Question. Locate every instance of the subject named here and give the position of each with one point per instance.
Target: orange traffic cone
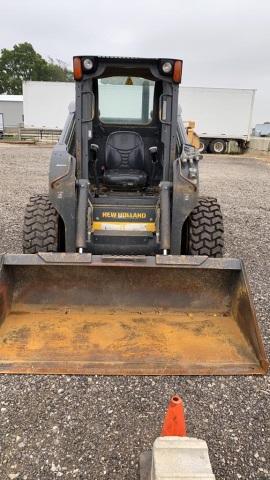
(174, 422)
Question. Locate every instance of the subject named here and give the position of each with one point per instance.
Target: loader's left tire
(204, 229)
(42, 226)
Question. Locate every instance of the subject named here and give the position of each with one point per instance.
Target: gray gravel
(95, 427)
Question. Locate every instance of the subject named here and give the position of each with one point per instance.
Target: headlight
(88, 64)
(167, 67)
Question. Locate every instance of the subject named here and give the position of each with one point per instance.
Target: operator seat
(124, 161)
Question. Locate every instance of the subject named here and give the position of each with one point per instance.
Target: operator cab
(125, 142)
(126, 153)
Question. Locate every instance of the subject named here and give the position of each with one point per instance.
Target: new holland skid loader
(122, 271)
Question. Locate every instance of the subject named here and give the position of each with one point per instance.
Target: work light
(88, 64)
(167, 67)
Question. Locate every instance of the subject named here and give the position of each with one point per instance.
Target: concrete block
(233, 147)
(180, 458)
(259, 143)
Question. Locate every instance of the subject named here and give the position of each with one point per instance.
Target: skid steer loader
(122, 271)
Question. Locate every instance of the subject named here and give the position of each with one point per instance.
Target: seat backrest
(124, 150)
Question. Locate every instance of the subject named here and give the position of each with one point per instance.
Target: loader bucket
(83, 314)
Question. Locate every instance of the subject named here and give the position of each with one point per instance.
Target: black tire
(217, 146)
(41, 226)
(203, 146)
(205, 229)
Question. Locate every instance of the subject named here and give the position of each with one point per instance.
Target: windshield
(125, 100)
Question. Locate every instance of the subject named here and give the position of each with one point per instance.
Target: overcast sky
(224, 43)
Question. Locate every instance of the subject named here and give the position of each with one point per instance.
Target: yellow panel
(125, 226)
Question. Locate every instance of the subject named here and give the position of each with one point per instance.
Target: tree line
(22, 63)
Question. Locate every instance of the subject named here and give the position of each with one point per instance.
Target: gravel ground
(95, 427)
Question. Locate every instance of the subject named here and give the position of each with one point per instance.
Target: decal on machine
(127, 218)
(124, 215)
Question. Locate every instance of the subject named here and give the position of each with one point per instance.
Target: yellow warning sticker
(125, 226)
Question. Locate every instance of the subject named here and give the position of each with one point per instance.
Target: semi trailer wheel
(42, 229)
(217, 146)
(205, 232)
(203, 146)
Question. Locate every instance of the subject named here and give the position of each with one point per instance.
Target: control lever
(95, 148)
(153, 153)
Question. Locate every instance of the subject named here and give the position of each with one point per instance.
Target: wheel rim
(201, 147)
(218, 147)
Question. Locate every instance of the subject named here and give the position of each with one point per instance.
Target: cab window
(125, 100)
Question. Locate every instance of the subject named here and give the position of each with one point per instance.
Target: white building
(11, 110)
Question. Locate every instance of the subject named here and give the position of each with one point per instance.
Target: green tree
(24, 63)
(57, 71)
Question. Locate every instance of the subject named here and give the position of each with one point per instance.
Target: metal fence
(32, 135)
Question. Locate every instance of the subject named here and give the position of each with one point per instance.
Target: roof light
(177, 71)
(77, 68)
(167, 67)
(88, 64)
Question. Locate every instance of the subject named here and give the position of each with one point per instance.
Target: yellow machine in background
(193, 138)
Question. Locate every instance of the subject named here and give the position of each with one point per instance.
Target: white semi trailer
(220, 115)
(45, 104)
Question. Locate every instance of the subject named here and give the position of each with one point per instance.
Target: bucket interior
(126, 320)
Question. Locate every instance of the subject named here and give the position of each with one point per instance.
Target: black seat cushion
(124, 160)
(125, 178)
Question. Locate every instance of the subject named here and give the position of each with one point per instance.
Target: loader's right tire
(205, 231)
(42, 228)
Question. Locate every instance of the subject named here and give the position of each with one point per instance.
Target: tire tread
(40, 231)
(206, 231)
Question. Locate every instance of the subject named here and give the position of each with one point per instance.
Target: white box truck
(45, 104)
(221, 115)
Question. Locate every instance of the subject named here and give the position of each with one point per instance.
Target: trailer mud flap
(83, 314)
